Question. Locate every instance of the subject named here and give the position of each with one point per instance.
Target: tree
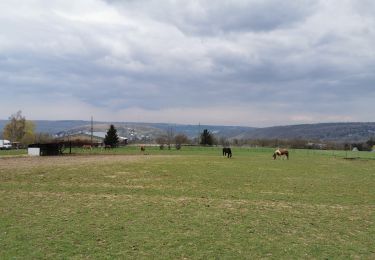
(19, 129)
(224, 141)
(371, 142)
(161, 140)
(206, 138)
(43, 138)
(29, 136)
(181, 139)
(111, 138)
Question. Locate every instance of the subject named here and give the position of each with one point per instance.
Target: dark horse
(281, 152)
(227, 152)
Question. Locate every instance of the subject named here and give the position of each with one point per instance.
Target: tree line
(22, 131)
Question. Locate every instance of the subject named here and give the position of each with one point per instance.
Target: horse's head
(274, 156)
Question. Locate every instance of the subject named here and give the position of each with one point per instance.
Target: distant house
(123, 140)
(100, 135)
(319, 146)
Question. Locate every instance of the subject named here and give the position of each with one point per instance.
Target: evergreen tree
(206, 138)
(111, 138)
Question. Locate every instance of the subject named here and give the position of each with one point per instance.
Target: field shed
(45, 149)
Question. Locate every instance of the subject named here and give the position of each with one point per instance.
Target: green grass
(192, 204)
(13, 152)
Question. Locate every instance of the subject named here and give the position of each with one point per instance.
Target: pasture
(187, 204)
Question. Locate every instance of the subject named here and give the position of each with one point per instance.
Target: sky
(250, 63)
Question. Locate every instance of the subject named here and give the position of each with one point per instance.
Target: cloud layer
(255, 62)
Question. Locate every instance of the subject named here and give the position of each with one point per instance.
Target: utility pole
(170, 135)
(92, 130)
(199, 133)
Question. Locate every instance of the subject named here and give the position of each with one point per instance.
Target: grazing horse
(281, 152)
(107, 146)
(86, 147)
(143, 148)
(227, 152)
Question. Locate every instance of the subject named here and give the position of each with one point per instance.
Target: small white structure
(33, 151)
(355, 149)
(5, 144)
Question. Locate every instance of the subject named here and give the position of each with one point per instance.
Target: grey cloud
(259, 54)
(365, 8)
(206, 18)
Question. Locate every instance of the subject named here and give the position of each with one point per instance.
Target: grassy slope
(192, 204)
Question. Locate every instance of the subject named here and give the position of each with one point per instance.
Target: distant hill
(337, 132)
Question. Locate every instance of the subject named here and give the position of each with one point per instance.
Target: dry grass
(181, 206)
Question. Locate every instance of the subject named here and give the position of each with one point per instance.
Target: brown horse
(143, 148)
(281, 152)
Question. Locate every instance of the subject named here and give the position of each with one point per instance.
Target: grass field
(187, 204)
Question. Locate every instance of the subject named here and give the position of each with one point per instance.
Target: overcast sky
(239, 62)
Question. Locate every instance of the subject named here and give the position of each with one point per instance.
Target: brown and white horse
(86, 147)
(281, 152)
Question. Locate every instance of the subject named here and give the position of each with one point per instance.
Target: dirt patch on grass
(31, 162)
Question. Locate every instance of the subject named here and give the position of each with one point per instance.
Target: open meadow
(187, 204)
